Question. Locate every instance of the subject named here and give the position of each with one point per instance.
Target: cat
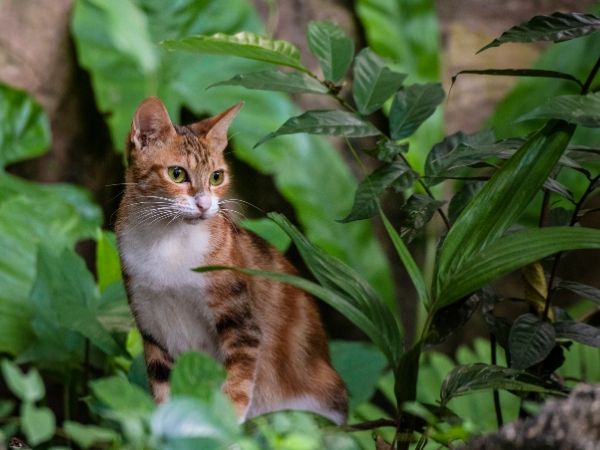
(171, 219)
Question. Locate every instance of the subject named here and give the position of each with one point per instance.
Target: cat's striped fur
(267, 334)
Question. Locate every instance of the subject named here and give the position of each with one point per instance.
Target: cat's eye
(177, 174)
(217, 177)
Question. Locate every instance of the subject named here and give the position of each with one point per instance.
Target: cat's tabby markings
(172, 219)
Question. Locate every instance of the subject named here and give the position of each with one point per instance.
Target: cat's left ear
(215, 128)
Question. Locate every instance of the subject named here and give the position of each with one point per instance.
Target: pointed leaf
(462, 198)
(579, 332)
(38, 424)
(583, 290)
(530, 340)
(581, 110)
(535, 73)
(373, 82)
(327, 122)
(244, 44)
(557, 27)
(412, 106)
(332, 47)
(272, 80)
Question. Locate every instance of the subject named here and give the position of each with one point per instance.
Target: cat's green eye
(177, 174)
(217, 177)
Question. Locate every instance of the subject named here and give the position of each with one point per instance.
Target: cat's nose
(203, 201)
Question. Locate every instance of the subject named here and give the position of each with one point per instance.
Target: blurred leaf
(557, 27)
(270, 232)
(87, 436)
(38, 423)
(327, 122)
(451, 318)
(6, 407)
(462, 198)
(581, 110)
(196, 375)
(332, 47)
(366, 198)
(387, 151)
(474, 377)
(122, 398)
(373, 82)
(29, 388)
(113, 310)
(108, 265)
(406, 375)
(272, 80)
(531, 339)
(25, 131)
(416, 212)
(536, 288)
(412, 106)
(558, 188)
(559, 217)
(244, 44)
(360, 365)
(583, 290)
(578, 331)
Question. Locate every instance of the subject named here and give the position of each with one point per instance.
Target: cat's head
(177, 172)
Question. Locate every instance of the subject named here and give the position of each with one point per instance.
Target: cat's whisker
(228, 219)
(242, 215)
(240, 201)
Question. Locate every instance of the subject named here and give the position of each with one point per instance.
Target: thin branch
(497, 407)
(370, 425)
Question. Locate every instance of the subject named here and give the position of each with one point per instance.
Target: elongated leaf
(196, 375)
(530, 340)
(462, 198)
(476, 377)
(558, 188)
(535, 73)
(38, 423)
(332, 47)
(327, 122)
(510, 253)
(502, 199)
(557, 27)
(244, 44)
(583, 290)
(373, 82)
(272, 80)
(579, 332)
(412, 106)
(406, 375)
(581, 110)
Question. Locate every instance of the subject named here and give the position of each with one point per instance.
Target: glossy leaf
(87, 436)
(534, 73)
(476, 377)
(27, 387)
(412, 106)
(373, 82)
(578, 331)
(416, 212)
(557, 27)
(326, 122)
(38, 423)
(530, 340)
(196, 375)
(272, 80)
(581, 110)
(583, 290)
(332, 47)
(244, 44)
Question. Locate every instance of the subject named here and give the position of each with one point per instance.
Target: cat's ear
(151, 124)
(215, 128)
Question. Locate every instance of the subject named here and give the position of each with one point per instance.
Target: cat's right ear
(151, 125)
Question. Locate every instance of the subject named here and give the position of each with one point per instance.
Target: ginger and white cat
(267, 334)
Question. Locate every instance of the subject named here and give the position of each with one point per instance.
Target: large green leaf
(196, 375)
(29, 388)
(412, 106)
(327, 122)
(87, 436)
(557, 27)
(122, 397)
(38, 423)
(273, 80)
(24, 131)
(108, 265)
(530, 340)
(581, 110)
(332, 47)
(244, 44)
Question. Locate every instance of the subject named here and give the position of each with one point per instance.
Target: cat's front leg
(158, 367)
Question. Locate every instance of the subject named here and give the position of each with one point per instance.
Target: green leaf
(509, 253)
(244, 44)
(373, 82)
(416, 212)
(412, 105)
(476, 377)
(332, 47)
(387, 151)
(530, 340)
(462, 198)
(557, 27)
(366, 198)
(270, 232)
(122, 397)
(535, 73)
(578, 331)
(581, 110)
(451, 318)
(108, 265)
(272, 80)
(196, 375)
(87, 436)
(29, 388)
(25, 131)
(327, 122)
(37, 423)
(582, 290)
(406, 375)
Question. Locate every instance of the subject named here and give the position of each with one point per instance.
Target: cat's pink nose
(203, 201)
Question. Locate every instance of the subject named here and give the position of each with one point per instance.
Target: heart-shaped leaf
(412, 105)
(530, 340)
(332, 47)
(38, 424)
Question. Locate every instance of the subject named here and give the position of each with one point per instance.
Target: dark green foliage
(531, 339)
(332, 47)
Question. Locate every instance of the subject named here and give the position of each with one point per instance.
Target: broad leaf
(272, 80)
(327, 122)
(583, 290)
(87, 436)
(530, 340)
(332, 47)
(24, 131)
(476, 377)
(29, 388)
(373, 82)
(412, 106)
(38, 423)
(579, 332)
(196, 375)
(122, 398)
(581, 110)
(557, 27)
(244, 44)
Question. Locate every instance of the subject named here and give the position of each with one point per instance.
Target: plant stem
(497, 407)
(589, 80)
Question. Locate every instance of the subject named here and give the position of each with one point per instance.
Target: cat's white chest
(168, 297)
